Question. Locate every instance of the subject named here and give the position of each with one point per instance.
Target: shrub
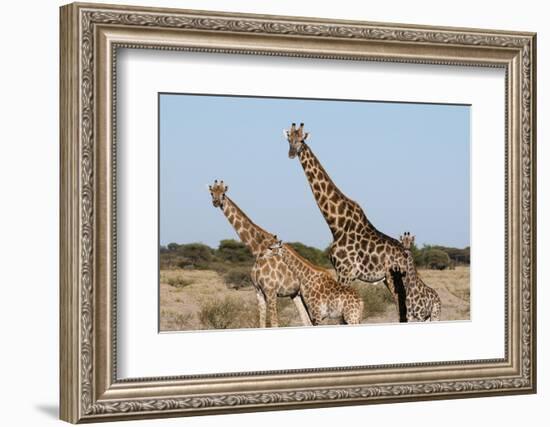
(237, 278)
(172, 247)
(233, 251)
(168, 260)
(418, 255)
(196, 253)
(220, 267)
(178, 282)
(174, 255)
(458, 256)
(227, 313)
(172, 321)
(375, 297)
(436, 259)
(314, 255)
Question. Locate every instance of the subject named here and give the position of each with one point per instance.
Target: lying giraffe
(271, 276)
(423, 302)
(359, 250)
(323, 296)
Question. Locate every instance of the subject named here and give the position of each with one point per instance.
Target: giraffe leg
(413, 312)
(436, 310)
(315, 316)
(352, 316)
(394, 283)
(261, 307)
(271, 300)
(415, 298)
(304, 316)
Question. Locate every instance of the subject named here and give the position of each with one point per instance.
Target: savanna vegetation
(211, 288)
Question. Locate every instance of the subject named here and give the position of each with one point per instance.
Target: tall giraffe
(271, 276)
(423, 302)
(323, 296)
(359, 250)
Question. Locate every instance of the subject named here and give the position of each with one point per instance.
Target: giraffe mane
(304, 260)
(267, 235)
(322, 168)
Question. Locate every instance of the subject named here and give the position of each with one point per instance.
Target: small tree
(458, 256)
(238, 277)
(172, 247)
(196, 254)
(418, 255)
(436, 259)
(233, 251)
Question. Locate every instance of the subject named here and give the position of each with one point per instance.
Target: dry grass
(227, 313)
(200, 299)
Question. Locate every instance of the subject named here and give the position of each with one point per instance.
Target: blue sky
(407, 165)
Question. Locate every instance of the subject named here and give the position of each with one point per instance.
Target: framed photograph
(267, 212)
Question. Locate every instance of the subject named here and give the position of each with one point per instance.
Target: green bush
(238, 277)
(436, 259)
(314, 255)
(456, 256)
(194, 254)
(172, 247)
(168, 260)
(233, 251)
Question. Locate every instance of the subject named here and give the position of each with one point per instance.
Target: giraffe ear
(209, 188)
(226, 187)
(286, 133)
(305, 136)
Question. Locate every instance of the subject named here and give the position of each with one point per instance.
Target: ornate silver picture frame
(91, 36)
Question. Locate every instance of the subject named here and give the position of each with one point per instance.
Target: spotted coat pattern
(359, 250)
(271, 277)
(423, 303)
(323, 296)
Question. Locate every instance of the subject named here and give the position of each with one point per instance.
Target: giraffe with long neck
(323, 296)
(423, 303)
(359, 250)
(271, 276)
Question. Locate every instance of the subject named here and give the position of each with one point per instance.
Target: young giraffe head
(295, 137)
(217, 191)
(407, 240)
(274, 249)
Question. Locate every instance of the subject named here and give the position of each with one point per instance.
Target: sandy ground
(199, 299)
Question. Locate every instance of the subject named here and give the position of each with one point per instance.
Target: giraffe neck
(299, 267)
(253, 236)
(414, 283)
(334, 205)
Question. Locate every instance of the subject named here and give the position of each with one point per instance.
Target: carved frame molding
(90, 36)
